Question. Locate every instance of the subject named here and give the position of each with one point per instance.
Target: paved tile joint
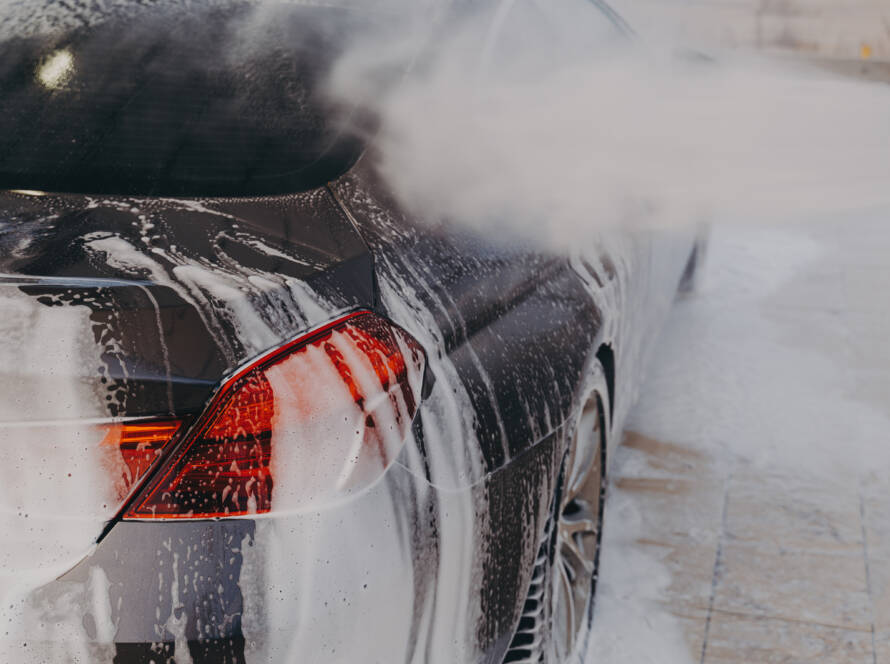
(772, 574)
(772, 514)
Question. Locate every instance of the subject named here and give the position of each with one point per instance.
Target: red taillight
(324, 415)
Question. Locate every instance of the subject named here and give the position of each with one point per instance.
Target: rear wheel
(578, 535)
(555, 622)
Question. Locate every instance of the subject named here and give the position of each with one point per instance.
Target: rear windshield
(185, 102)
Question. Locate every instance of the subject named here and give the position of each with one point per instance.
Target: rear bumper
(404, 572)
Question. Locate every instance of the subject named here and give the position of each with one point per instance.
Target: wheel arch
(606, 356)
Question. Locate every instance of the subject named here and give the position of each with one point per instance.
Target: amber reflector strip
(132, 448)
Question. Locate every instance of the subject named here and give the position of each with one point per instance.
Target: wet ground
(748, 517)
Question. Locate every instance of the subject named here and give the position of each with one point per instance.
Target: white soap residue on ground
(735, 380)
(754, 368)
(629, 624)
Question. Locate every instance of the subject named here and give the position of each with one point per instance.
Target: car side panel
(513, 331)
(432, 563)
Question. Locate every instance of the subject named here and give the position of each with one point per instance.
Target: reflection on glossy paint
(56, 70)
(28, 192)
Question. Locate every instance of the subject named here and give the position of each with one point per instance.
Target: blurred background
(835, 30)
(748, 519)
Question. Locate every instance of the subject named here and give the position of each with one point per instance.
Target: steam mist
(549, 121)
(544, 120)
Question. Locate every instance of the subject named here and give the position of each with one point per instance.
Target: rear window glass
(216, 101)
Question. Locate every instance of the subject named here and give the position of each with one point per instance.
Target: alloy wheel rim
(578, 533)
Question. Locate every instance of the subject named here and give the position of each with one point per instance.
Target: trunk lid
(118, 308)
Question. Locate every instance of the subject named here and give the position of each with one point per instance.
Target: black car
(253, 410)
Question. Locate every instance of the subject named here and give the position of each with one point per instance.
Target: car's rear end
(154, 388)
(207, 452)
(231, 430)
(199, 396)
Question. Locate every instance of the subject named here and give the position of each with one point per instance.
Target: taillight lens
(309, 423)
